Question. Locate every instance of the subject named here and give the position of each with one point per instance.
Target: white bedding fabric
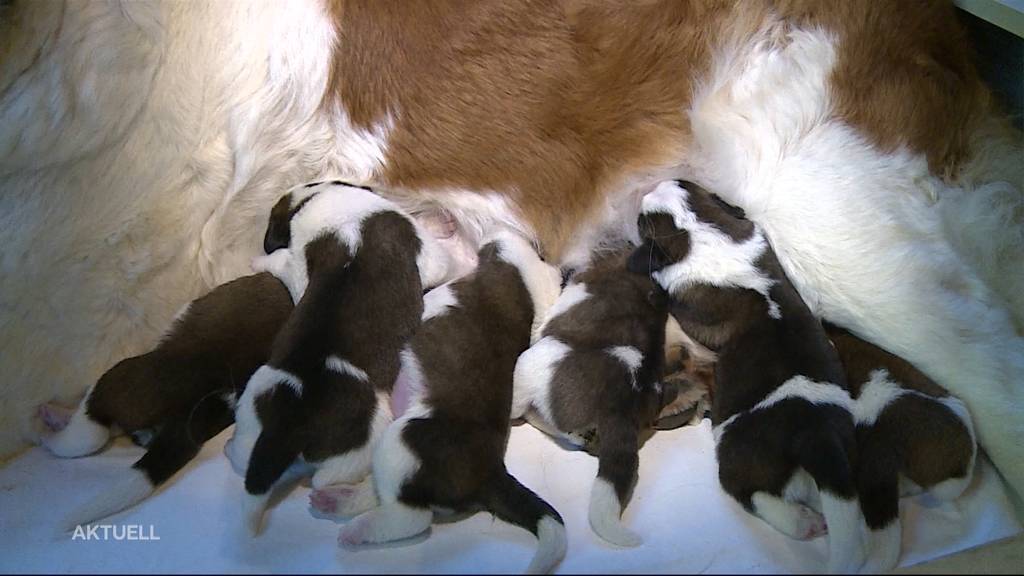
(688, 523)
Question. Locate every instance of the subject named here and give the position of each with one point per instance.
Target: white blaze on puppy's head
(310, 211)
(713, 257)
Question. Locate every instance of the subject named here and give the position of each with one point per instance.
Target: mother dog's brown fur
(548, 101)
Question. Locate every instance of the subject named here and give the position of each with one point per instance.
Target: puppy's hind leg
(344, 500)
(81, 436)
(342, 485)
(791, 518)
(390, 522)
(393, 464)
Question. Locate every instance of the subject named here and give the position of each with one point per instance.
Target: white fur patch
(542, 280)
(884, 548)
(790, 517)
(551, 546)
(394, 463)
(342, 366)
(254, 508)
(846, 533)
(795, 387)
(874, 396)
(807, 389)
(531, 379)
(714, 258)
(389, 522)
(605, 510)
(438, 301)
(572, 295)
(82, 435)
(630, 357)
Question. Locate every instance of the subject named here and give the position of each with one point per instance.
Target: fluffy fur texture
(145, 141)
(447, 450)
(780, 406)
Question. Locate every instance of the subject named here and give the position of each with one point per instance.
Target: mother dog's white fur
(144, 144)
(858, 231)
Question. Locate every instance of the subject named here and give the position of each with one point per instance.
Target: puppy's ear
(669, 393)
(648, 258)
(279, 228)
(278, 236)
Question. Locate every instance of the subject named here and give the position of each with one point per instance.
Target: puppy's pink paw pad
(55, 417)
(352, 534)
(812, 525)
(323, 501)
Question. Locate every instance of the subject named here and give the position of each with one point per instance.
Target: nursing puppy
(596, 372)
(911, 434)
(356, 268)
(183, 391)
(447, 449)
(784, 432)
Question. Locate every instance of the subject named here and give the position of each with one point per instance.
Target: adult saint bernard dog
(143, 143)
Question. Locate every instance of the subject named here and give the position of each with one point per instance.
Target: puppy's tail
(615, 475)
(824, 456)
(517, 504)
(173, 447)
(272, 455)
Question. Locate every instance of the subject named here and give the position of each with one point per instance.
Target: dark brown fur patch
(216, 345)
(178, 389)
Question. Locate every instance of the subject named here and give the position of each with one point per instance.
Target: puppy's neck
(542, 280)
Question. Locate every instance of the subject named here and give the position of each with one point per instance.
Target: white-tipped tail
(81, 437)
(884, 548)
(254, 507)
(550, 548)
(605, 511)
(128, 492)
(846, 528)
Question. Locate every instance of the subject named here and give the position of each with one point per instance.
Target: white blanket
(688, 523)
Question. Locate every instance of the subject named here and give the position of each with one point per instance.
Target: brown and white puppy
(596, 371)
(912, 435)
(447, 449)
(183, 391)
(356, 267)
(784, 430)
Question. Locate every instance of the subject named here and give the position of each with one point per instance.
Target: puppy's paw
(325, 501)
(275, 262)
(810, 525)
(355, 533)
(54, 417)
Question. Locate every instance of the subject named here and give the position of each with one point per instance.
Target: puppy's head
(664, 237)
(677, 215)
(279, 228)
